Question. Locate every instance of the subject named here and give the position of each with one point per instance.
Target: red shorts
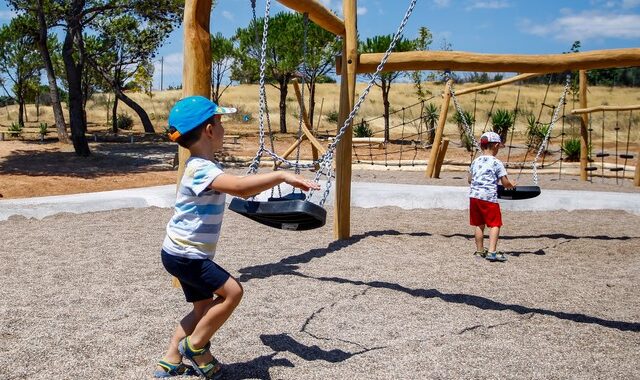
(483, 212)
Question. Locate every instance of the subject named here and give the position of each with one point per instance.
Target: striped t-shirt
(194, 229)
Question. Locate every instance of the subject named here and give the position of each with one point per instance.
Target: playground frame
(197, 77)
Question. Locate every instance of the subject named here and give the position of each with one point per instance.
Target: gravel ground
(85, 297)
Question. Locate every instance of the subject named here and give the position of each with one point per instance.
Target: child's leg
(184, 328)
(479, 237)
(214, 314)
(494, 233)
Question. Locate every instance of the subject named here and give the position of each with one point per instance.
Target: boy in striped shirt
(193, 231)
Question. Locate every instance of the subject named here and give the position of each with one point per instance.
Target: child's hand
(300, 182)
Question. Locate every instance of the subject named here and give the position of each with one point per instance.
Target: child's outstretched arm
(506, 183)
(254, 184)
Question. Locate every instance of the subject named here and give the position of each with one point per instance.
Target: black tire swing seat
(518, 192)
(291, 212)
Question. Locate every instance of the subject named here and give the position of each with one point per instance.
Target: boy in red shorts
(484, 173)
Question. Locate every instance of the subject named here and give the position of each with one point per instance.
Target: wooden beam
(306, 132)
(465, 61)
(196, 70)
(320, 15)
(578, 111)
(342, 219)
(584, 126)
(441, 153)
(497, 84)
(442, 119)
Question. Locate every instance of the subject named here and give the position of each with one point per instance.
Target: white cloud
(493, 4)
(228, 15)
(442, 3)
(627, 4)
(7, 15)
(361, 11)
(172, 64)
(587, 25)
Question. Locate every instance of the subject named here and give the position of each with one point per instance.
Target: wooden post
(441, 153)
(442, 119)
(584, 125)
(196, 70)
(342, 226)
(636, 177)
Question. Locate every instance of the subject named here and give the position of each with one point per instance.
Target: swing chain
(465, 124)
(547, 136)
(325, 161)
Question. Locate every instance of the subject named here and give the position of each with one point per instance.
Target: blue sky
(484, 26)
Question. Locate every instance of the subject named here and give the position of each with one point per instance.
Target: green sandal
(482, 253)
(173, 369)
(211, 370)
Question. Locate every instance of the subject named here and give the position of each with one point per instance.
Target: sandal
(211, 370)
(173, 369)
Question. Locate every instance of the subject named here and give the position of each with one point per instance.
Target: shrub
(466, 140)
(431, 116)
(362, 129)
(124, 122)
(571, 150)
(332, 116)
(502, 120)
(535, 132)
(43, 128)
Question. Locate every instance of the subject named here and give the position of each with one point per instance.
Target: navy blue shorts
(199, 278)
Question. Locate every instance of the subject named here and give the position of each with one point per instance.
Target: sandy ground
(85, 296)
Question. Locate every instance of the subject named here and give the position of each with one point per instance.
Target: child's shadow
(257, 368)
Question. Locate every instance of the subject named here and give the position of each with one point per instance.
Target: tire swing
(295, 211)
(518, 192)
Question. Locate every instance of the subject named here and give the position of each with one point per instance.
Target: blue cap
(188, 113)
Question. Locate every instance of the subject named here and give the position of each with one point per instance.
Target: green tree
(283, 55)
(379, 44)
(422, 43)
(78, 18)
(322, 47)
(46, 13)
(222, 56)
(20, 62)
(122, 50)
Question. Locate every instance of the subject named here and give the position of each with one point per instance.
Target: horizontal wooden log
(320, 15)
(518, 63)
(605, 108)
(497, 83)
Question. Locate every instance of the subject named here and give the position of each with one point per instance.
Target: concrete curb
(363, 194)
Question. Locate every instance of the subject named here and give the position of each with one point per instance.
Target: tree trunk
(142, 114)
(385, 102)
(58, 116)
(114, 116)
(284, 81)
(312, 102)
(74, 79)
(20, 111)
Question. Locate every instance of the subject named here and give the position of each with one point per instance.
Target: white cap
(490, 137)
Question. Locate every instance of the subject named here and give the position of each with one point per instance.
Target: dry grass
(245, 98)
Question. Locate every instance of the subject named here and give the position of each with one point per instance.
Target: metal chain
(253, 168)
(465, 124)
(328, 156)
(545, 141)
(326, 160)
(303, 69)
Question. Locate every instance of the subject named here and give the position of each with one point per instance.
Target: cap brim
(225, 110)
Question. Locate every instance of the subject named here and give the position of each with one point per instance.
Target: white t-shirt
(194, 229)
(485, 173)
